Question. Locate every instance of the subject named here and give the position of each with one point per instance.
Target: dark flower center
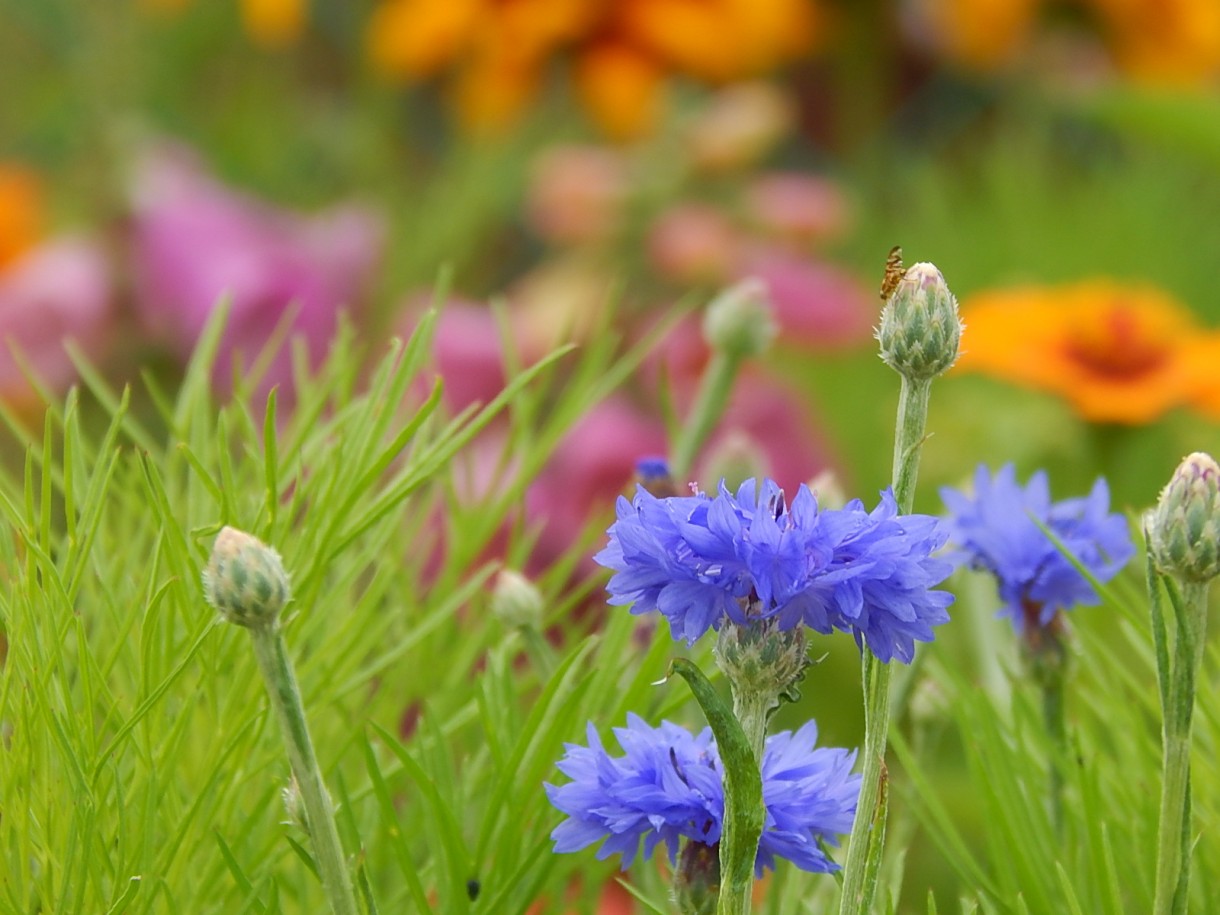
(1119, 346)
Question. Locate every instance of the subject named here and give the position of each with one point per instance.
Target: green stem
(744, 813)
(276, 667)
(868, 830)
(1056, 728)
(709, 406)
(909, 438)
(753, 709)
(867, 842)
(1173, 834)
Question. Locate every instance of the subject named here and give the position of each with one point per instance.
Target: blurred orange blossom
(1174, 42)
(21, 211)
(621, 52)
(1117, 352)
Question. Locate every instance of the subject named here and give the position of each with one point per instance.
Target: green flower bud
(516, 601)
(1184, 528)
(697, 879)
(245, 580)
(740, 322)
(762, 659)
(920, 329)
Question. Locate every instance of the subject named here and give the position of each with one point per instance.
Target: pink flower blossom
(694, 243)
(53, 292)
(594, 463)
(817, 306)
(576, 193)
(796, 207)
(195, 240)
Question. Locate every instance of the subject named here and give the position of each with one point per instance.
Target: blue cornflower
(751, 555)
(997, 529)
(668, 787)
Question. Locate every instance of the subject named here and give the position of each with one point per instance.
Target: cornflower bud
(739, 322)
(1184, 528)
(920, 329)
(761, 659)
(516, 601)
(245, 580)
(697, 879)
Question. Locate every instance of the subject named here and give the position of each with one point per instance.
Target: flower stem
(867, 840)
(1173, 834)
(276, 667)
(1056, 728)
(710, 404)
(909, 438)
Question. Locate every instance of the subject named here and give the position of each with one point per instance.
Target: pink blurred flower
(576, 193)
(592, 465)
(468, 354)
(55, 291)
(817, 305)
(194, 240)
(796, 207)
(694, 243)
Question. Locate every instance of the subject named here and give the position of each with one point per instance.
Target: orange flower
(620, 51)
(1118, 353)
(21, 208)
(980, 33)
(1166, 41)
(273, 23)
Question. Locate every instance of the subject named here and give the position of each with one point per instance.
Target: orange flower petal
(273, 23)
(416, 38)
(21, 211)
(621, 88)
(1116, 353)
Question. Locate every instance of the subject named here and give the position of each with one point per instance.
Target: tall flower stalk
(919, 336)
(1184, 549)
(1036, 549)
(737, 325)
(246, 583)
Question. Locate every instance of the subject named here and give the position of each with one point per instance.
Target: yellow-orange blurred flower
(1118, 353)
(273, 23)
(979, 33)
(21, 211)
(621, 51)
(270, 23)
(1169, 41)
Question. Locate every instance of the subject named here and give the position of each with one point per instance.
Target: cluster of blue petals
(667, 786)
(700, 561)
(1001, 528)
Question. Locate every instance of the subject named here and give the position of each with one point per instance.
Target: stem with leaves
(867, 840)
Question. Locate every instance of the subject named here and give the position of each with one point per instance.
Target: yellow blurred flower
(269, 23)
(21, 211)
(979, 33)
(1168, 41)
(273, 23)
(1118, 353)
(620, 52)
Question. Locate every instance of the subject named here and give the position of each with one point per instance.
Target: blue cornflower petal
(667, 786)
(700, 560)
(999, 529)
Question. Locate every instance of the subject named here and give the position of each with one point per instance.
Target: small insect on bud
(920, 328)
(245, 580)
(740, 321)
(1184, 528)
(516, 601)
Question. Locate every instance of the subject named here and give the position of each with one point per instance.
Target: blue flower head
(701, 560)
(668, 786)
(1001, 529)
